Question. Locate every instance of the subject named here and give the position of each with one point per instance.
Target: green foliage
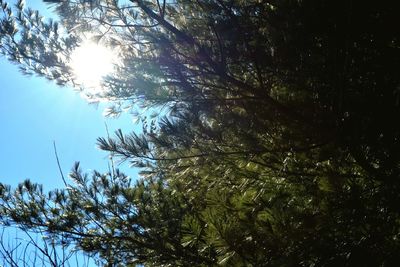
(273, 145)
(36, 46)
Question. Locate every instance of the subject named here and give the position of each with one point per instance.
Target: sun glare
(90, 62)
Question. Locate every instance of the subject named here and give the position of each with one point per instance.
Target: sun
(90, 62)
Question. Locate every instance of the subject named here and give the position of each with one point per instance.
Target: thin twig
(112, 171)
(58, 164)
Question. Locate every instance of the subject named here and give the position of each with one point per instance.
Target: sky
(34, 113)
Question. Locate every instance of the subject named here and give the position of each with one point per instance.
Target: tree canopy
(275, 141)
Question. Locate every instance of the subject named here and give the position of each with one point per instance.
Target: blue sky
(35, 112)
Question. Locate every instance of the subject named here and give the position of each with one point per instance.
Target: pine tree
(271, 147)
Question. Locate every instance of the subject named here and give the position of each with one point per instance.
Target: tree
(27, 248)
(271, 147)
